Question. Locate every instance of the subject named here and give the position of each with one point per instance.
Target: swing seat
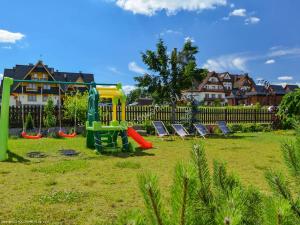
(63, 134)
(26, 136)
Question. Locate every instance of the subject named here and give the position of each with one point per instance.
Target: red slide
(138, 138)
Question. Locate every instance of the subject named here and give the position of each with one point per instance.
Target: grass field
(91, 189)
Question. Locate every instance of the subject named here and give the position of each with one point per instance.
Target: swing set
(97, 133)
(60, 133)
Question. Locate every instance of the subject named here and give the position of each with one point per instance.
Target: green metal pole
(4, 123)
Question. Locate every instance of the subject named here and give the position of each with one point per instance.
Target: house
(233, 89)
(241, 85)
(37, 94)
(209, 92)
(265, 95)
(290, 87)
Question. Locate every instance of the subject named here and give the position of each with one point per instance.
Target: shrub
(250, 127)
(289, 109)
(29, 122)
(76, 105)
(50, 118)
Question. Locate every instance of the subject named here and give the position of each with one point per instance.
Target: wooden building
(35, 93)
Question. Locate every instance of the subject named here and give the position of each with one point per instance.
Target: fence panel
(141, 114)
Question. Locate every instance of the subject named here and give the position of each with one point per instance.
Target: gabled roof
(277, 89)
(206, 80)
(20, 72)
(225, 76)
(258, 90)
(291, 87)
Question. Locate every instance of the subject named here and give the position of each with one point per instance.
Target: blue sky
(105, 37)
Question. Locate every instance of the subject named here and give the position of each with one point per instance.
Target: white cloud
(128, 88)
(113, 69)
(7, 47)
(238, 12)
(270, 61)
(150, 7)
(238, 61)
(10, 37)
(252, 20)
(227, 62)
(279, 51)
(170, 32)
(226, 18)
(1, 77)
(134, 67)
(232, 5)
(186, 39)
(285, 78)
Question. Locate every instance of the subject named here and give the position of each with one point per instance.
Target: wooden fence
(140, 114)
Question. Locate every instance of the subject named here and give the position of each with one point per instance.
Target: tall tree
(170, 72)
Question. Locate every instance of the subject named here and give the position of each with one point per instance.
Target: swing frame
(4, 116)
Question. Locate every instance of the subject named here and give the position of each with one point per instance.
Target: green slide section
(7, 82)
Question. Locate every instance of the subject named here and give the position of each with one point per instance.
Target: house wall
(18, 100)
(265, 100)
(202, 96)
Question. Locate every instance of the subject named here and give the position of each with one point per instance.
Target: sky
(106, 37)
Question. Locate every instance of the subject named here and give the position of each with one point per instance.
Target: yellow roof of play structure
(110, 92)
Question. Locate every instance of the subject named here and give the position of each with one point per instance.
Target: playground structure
(98, 134)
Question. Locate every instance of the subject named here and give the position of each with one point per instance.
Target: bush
(29, 122)
(289, 109)
(76, 105)
(250, 127)
(50, 118)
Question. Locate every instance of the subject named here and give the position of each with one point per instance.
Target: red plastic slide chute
(26, 136)
(138, 138)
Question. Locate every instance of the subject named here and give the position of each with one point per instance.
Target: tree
(49, 110)
(76, 106)
(281, 187)
(135, 94)
(289, 108)
(171, 73)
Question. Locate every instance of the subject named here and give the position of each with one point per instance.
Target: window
(45, 98)
(206, 95)
(220, 95)
(31, 98)
(46, 87)
(44, 77)
(31, 87)
(34, 77)
(213, 79)
(213, 95)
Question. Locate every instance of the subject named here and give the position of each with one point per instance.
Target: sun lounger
(180, 130)
(160, 129)
(201, 129)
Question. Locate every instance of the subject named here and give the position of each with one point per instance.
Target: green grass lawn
(91, 189)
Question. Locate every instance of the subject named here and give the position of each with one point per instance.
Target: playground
(92, 178)
(91, 189)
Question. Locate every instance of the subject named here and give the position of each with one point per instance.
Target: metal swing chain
(41, 109)
(22, 108)
(75, 112)
(59, 107)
